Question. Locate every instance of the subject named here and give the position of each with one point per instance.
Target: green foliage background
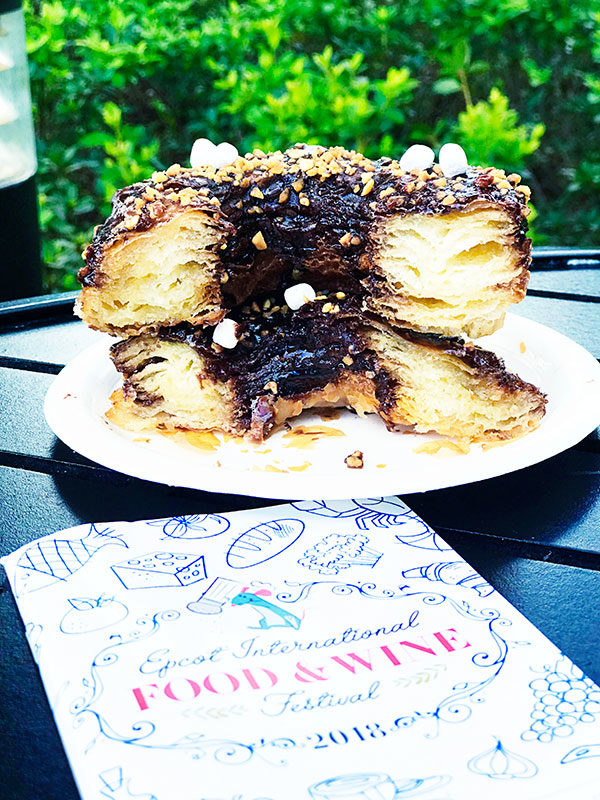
(121, 87)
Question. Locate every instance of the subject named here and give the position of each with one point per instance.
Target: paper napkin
(325, 650)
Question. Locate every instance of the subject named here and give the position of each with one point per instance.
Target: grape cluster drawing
(564, 697)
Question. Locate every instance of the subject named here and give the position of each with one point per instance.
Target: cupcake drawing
(337, 552)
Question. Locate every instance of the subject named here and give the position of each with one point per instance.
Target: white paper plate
(78, 398)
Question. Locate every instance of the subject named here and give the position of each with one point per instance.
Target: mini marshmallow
(206, 153)
(202, 151)
(453, 160)
(296, 296)
(418, 156)
(225, 153)
(225, 334)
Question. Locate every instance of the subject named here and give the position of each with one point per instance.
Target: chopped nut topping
(256, 192)
(298, 185)
(271, 386)
(340, 295)
(258, 240)
(131, 222)
(409, 187)
(284, 196)
(304, 201)
(448, 200)
(368, 187)
(386, 192)
(150, 193)
(514, 178)
(327, 307)
(355, 460)
(346, 240)
(440, 182)
(524, 190)
(348, 360)
(174, 169)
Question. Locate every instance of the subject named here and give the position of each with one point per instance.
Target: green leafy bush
(122, 87)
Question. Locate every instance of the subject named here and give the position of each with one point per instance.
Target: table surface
(532, 534)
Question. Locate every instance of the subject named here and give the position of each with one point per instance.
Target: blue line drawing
(374, 784)
(564, 697)
(88, 614)
(263, 542)
(337, 552)
(160, 570)
(271, 616)
(112, 778)
(143, 733)
(379, 512)
(53, 560)
(452, 573)
(456, 706)
(116, 788)
(34, 631)
(219, 593)
(502, 764)
(194, 526)
(581, 752)
(297, 591)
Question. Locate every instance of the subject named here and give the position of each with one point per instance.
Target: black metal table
(534, 534)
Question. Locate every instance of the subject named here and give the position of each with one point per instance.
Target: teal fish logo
(271, 616)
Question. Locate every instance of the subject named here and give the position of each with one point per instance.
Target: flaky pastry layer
(288, 362)
(416, 249)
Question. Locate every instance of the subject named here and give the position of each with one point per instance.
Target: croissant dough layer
(288, 362)
(438, 255)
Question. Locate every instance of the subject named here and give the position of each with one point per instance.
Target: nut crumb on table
(354, 460)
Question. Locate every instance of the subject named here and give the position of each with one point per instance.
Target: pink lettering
(351, 667)
(232, 686)
(195, 687)
(446, 641)
(416, 646)
(141, 699)
(390, 655)
(249, 675)
(306, 675)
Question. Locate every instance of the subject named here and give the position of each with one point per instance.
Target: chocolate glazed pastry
(327, 353)
(416, 249)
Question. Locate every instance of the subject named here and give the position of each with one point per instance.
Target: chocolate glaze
(317, 209)
(283, 354)
(287, 354)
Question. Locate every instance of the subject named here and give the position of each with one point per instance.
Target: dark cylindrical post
(20, 274)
